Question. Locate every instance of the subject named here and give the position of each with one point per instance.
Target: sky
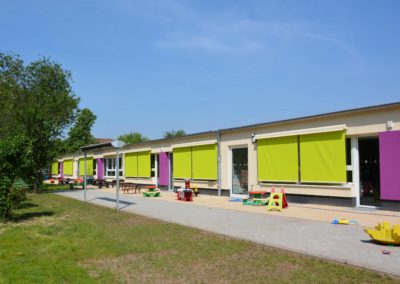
(152, 66)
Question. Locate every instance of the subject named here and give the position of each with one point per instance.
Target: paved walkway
(347, 244)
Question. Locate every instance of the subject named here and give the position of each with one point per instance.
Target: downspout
(219, 161)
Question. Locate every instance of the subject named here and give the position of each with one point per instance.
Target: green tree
(39, 104)
(133, 137)
(174, 133)
(80, 133)
(15, 156)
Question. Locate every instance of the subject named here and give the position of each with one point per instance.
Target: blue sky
(152, 66)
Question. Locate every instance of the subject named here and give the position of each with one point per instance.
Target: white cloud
(184, 28)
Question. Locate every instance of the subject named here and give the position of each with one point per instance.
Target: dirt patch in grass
(255, 264)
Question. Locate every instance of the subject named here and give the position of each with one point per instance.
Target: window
(308, 158)
(197, 162)
(68, 167)
(349, 163)
(110, 168)
(278, 159)
(95, 167)
(153, 165)
(89, 166)
(137, 164)
(55, 169)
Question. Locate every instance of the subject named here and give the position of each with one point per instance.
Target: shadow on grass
(31, 215)
(27, 205)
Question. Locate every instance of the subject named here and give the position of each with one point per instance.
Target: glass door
(239, 171)
(369, 171)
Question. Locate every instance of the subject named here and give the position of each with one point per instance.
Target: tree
(15, 154)
(133, 137)
(174, 133)
(80, 133)
(39, 104)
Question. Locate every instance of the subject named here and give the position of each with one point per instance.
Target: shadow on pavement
(126, 203)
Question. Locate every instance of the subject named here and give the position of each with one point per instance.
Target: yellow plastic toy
(384, 234)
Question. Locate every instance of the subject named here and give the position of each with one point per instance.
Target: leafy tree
(15, 156)
(39, 104)
(174, 133)
(133, 137)
(80, 133)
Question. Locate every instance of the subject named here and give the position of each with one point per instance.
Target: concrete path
(348, 244)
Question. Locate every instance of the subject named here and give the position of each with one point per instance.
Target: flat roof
(362, 109)
(96, 146)
(348, 111)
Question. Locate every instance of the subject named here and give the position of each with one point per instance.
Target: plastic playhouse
(384, 234)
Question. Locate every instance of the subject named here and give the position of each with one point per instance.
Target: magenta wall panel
(100, 168)
(389, 152)
(164, 168)
(62, 169)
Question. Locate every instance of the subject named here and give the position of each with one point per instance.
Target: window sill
(302, 185)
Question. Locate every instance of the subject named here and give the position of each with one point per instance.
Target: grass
(54, 239)
(54, 187)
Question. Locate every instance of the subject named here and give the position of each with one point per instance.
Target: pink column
(389, 155)
(164, 168)
(100, 168)
(62, 169)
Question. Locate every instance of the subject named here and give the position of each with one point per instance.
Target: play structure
(152, 191)
(383, 233)
(185, 194)
(277, 200)
(255, 199)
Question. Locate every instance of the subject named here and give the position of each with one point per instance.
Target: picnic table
(126, 186)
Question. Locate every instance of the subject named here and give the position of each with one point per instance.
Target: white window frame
(109, 167)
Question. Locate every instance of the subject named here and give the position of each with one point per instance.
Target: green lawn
(60, 240)
(50, 187)
(45, 187)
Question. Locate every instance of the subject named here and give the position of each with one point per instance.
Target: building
(349, 158)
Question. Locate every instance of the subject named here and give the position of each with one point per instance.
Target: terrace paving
(301, 228)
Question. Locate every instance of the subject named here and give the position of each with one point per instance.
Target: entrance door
(239, 171)
(369, 171)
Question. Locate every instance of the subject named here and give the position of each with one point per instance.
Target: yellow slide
(384, 234)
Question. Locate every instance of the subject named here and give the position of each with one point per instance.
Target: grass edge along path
(55, 239)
